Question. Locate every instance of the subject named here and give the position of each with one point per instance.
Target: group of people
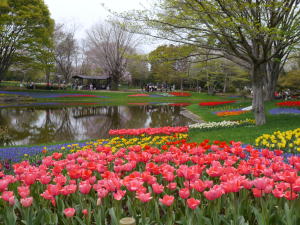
(159, 87)
(285, 94)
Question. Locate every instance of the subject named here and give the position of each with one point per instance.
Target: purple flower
(276, 111)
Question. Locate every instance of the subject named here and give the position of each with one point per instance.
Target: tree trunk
(115, 82)
(273, 71)
(48, 77)
(181, 84)
(225, 83)
(258, 75)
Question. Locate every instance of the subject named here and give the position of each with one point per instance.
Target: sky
(85, 13)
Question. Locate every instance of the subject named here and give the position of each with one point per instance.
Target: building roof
(103, 77)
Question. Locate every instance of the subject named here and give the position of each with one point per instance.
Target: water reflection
(44, 125)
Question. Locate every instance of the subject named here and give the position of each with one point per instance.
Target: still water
(36, 125)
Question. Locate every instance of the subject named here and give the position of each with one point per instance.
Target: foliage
(5, 138)
(290, 80)
(24, 25)
(170, 62)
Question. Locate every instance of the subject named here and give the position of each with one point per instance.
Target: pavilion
(99, 82)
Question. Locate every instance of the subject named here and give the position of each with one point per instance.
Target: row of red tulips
(289, 103)
(149, 131)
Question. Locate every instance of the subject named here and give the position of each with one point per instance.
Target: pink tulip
(85, 188)
(3, 185)
(184, 193)
(167, 200)
(69, 212)
(26, 202)
(85, 212)
(6, 195)
(214, 193)
(193, 203)
(157, 188)
(23, 191)
(144, 197)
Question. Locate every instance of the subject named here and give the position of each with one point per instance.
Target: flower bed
(222, 124)
(139, 95)
(181, 94)
(77, 96)
(149, 131)
(276, 111)
(216, 103)
(289, 141)
(289, 103)
(181, 104)
(188, 184)
(235, 112)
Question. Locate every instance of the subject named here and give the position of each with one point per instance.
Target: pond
(38, 125)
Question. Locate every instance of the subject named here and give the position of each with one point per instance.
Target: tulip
(26, 202)
(69, 212)
(144, 197)
(85, 212)
(157, 188)
(85, 188)
(184, 193)
(167, 200)
(193, 203)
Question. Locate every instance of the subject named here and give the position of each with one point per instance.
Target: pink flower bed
(149, 131)
(186, 177)
(139, 95)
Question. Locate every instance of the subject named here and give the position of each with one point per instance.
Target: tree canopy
(24, 26)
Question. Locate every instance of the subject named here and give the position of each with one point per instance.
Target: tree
(243, 30)
(138, 68)
(65, 51)
(110, 44)
(23, 24)
(170, 62)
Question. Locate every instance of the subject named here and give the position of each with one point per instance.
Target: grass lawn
(245, 134)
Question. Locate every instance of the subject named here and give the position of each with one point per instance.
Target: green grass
(243, 134)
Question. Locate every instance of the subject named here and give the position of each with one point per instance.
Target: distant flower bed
(231, 112)
(139, 95)
(181, 94)
(289, 141)
(182, 104)
(78, 96)
(284, 111)
(216, 103)
(289, 103)
(223, 124)
(150, 131)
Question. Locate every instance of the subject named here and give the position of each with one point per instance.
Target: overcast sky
(85, 13)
